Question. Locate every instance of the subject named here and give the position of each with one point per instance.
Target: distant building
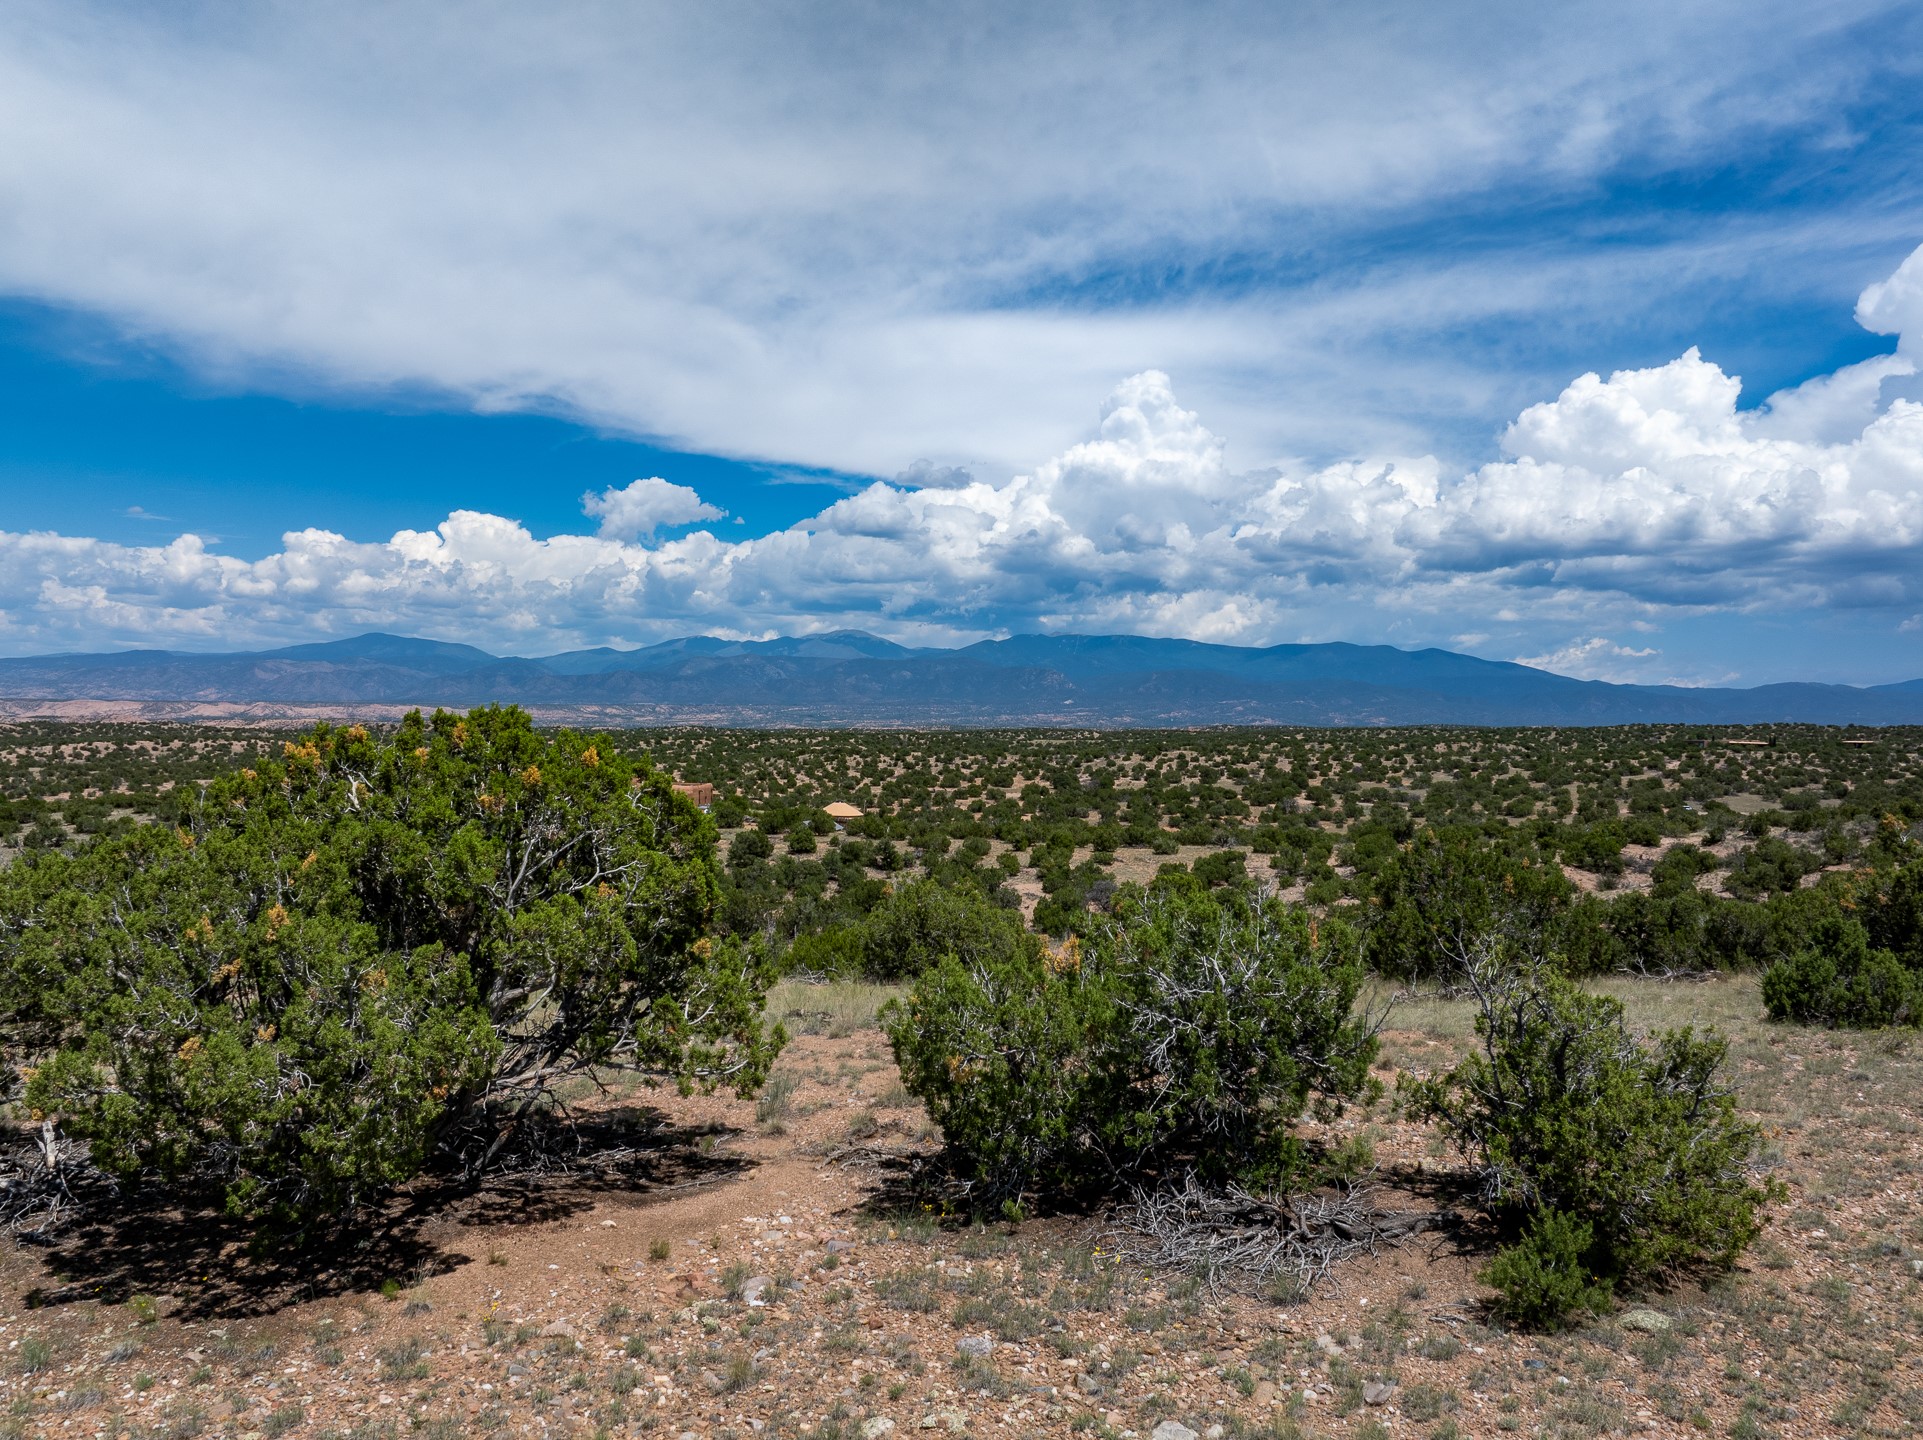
(841, 812)
(701, 792)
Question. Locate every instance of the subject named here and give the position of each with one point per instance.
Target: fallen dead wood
(45, 1183)
(1232, 1237)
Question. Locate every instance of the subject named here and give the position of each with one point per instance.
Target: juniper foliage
(370, 951)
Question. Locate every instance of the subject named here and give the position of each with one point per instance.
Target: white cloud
(831, 236)
(642, 507)
(1630, 502)
(1595, 658)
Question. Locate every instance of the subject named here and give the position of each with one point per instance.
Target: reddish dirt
(536, 1308)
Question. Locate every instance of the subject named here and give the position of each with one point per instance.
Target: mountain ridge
(850, 677)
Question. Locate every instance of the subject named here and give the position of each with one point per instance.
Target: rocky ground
(760, 1268)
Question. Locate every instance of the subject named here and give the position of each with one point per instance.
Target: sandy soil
(739, 1276)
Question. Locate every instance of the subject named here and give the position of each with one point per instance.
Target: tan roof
(841, 810)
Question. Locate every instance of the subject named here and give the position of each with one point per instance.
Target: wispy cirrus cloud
(858, 239)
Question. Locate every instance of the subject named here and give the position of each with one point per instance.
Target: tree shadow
(1453, 1199)
(213, 1265)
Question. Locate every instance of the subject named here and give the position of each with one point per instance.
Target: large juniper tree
(369, 951)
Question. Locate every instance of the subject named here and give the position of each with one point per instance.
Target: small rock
(713, 1381)
(1650, 1322)
(1377, 1392)
(1313, 1396)
(977, 1347)
(1173, 1430)
(840, 1247)
(1265, 1392)
(875, 1428)
(751, 1289)
(558, 1329)
(515, 1367)
(1327, 1344)
(1088, 1384)
(687, 1435)
(1214, 1432)
(1535, 1364)
(757, 1426)
(1916, 1268)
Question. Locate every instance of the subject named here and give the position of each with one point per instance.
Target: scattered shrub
(1770, 866)
(1567, 1112)
(923, 923)
(1450, 888)
(1677, 871)
(1544, 1276)
(1839, 980)
(1892, 912)
(835, 953)
(1224, 867)
(749, 846)
(1185, 1034)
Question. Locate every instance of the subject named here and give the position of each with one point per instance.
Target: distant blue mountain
(853, 678)
(428, 657)
(839, 645)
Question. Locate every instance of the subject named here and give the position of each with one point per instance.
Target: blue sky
(1248, 323)
(126, 443)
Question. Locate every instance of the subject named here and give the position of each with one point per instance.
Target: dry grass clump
(835, 1008)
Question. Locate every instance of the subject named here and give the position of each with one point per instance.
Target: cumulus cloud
(1624, 502)
(642, 507)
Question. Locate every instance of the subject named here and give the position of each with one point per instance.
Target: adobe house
(841, 812)
(701, 792)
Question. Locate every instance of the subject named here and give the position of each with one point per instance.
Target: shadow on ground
(210, 1265)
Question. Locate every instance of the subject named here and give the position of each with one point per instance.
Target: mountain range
(853, 678)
